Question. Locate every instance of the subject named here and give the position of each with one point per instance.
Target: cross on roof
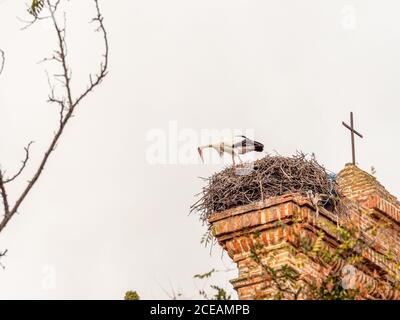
(353, 131)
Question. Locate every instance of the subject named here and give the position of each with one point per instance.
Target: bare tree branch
(24, 163)
(103, 65)
(67, 102)
(4, 196)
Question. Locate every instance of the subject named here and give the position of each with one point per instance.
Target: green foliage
(255, 256)
(204, 275)
(288, 273)
(207, 238)
(344, 234)
(257, 234)
(305, 243)
(132, 295)
(221, 294)
(332, 289)
(318, 243)
(36, 7)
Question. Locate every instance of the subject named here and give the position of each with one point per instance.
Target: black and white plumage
(235, 146)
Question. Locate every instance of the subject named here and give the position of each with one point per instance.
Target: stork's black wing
(246, 142)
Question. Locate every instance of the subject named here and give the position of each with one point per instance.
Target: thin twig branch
(24, 163)
(4, 196)
(67, 103)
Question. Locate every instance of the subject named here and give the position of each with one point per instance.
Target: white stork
(235, 146)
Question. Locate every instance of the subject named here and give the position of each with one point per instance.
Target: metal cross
(353, 131)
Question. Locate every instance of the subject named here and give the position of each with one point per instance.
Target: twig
(272, 176)
(68, 103)
(4, 195)
(24, 163)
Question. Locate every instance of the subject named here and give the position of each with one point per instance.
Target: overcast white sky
(103, 219)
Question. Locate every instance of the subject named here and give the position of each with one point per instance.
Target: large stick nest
(268, 177)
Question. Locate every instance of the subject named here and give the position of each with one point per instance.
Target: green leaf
(36, 7)
(204, 275)
(132, 295)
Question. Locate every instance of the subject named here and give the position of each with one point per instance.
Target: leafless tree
(65, 99)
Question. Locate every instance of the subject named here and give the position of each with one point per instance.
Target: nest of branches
(268, 177)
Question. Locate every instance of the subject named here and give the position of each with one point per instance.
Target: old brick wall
(267, 235)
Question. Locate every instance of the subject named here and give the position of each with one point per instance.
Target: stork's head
(200, 153)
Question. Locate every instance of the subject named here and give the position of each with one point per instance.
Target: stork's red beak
(201, 154)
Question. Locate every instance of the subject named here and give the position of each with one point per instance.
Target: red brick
(366, 193)
(264, 238)
(244, 244)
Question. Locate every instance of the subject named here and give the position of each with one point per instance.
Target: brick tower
(267, 239)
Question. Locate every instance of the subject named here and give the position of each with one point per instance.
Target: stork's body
(235, 146)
